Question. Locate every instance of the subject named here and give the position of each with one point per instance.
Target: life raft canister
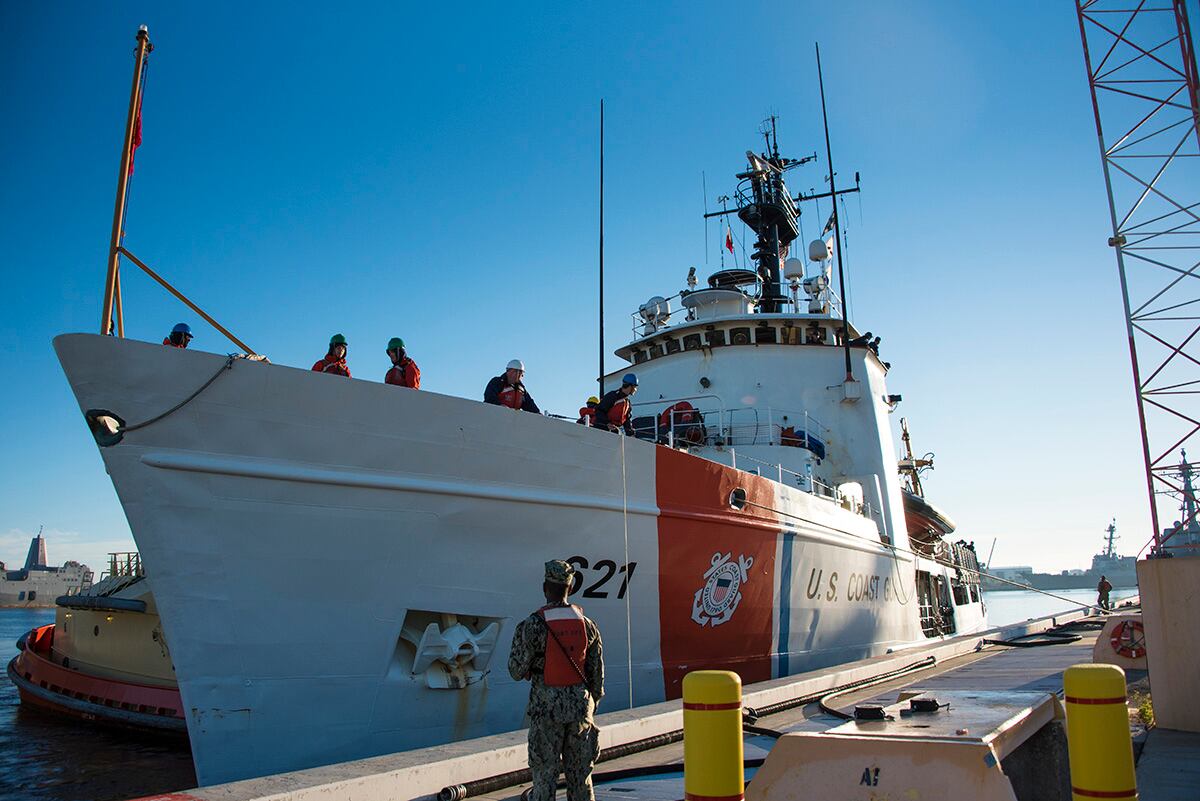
(1128, 639)
(566, 623)
(512, 397)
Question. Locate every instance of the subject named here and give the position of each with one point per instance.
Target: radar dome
(818, 250)
(656, 310)
(793, 268)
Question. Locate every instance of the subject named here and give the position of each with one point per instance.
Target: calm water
(44, 757)
(1017, 605)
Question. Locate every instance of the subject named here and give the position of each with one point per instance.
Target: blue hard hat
(630, 379)
(182, 328)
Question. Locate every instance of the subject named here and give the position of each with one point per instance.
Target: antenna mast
(837, 227)
(112, 286)
(600, 380)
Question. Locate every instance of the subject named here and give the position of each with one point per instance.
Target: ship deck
(1168, 769)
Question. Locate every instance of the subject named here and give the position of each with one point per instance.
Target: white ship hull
(296, 522)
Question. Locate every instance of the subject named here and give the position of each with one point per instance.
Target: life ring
(1128, 639)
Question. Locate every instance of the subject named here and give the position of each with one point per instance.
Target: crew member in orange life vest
(509, 390)
(335, 360)
(404, 372)
(587, 414)
(180, 336)
(615, 410)
(559, 651)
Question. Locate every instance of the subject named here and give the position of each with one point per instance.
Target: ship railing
(124, 563)
(708, 422)
(807, 482)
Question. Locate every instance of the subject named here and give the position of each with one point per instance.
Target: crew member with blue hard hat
(180, 336)
(615, 410)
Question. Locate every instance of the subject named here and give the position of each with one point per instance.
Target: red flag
(137, 135)
(728, 237)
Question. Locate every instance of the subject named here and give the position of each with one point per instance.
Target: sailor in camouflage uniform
(559, 651)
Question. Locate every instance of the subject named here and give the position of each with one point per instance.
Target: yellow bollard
(712, 736)
(1099, 745)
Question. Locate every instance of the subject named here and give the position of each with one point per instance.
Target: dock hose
(489, 784)
(1051, 637)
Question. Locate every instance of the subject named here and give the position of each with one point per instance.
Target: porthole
(737, 498)
(95, 631)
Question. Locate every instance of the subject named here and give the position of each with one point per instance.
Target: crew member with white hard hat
(508, 389)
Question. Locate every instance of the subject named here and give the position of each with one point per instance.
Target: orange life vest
(512, 397)
(331, 365)
(587, 416)
(171, 344)
(566, 624)
(619, 412)
(404, 374)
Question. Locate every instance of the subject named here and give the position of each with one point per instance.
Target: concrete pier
(959, 663)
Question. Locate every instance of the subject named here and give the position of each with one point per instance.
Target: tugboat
(761, 528)
(105, 657)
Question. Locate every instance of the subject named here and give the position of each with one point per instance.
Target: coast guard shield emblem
(718, 599)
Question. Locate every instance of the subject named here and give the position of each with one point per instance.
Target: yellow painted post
(1098, 741)
(712, 736)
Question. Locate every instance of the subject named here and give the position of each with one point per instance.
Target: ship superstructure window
(740, 336)
(715, 338)
(21, 596)
(765, 335)
(691, 342)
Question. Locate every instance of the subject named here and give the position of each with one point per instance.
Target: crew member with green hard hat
(404, 372)
(334, 361)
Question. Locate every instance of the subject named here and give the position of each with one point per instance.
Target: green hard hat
(395, 343)
(337, 339)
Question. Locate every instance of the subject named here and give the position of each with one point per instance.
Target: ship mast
(1109, 551)
(911, 467)
(112, 285)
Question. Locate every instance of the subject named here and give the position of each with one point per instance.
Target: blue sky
(430, 173)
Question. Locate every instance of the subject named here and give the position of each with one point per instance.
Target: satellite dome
(793, 268)
(818, 250)
(655, 311)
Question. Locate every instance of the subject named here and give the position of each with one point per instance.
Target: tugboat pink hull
(43, 682)
(339, 564)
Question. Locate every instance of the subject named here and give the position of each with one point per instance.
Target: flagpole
(600, 380)
(114, 258)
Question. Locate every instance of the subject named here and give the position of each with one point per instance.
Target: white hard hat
(516, 364)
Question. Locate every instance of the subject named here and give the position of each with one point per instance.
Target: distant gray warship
(1121, 571)
(38, 584)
